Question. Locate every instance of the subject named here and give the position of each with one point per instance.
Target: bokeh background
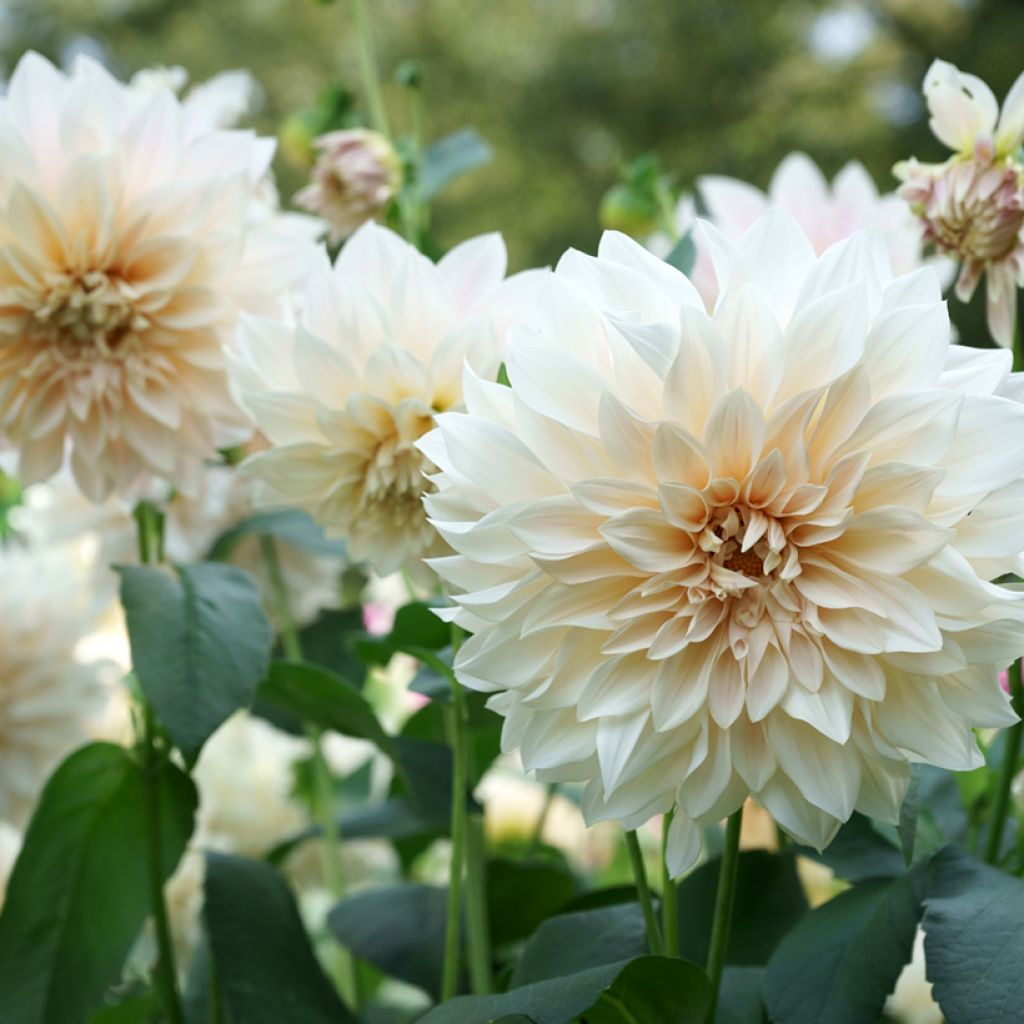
(566, 91)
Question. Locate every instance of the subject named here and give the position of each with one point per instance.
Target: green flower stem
(723, 907)
(150, 535)
(478, 933)
(1011, 762)
(324, 803)
(643, 894)
(368, 68)
(669, 904)
(537, 839)
(452, 951)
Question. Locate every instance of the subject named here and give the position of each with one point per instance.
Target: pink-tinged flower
(132, 233)
(50, 694)
(827, 213)
(707, 556)
(972, 206)
(344, 396)
(355, 176)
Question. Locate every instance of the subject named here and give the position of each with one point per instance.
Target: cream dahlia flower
(827, 213)
(49, 694)
(132, 233)
(972, 206)
(344, 396)
(710, 555)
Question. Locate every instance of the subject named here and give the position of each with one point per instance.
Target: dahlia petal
(1010, 130)
(619, 248)
(961, 106)
(682, 846)
(569, 391)
(473, 269)
(617, 737)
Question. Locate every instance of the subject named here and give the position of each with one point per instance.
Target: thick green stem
(478, 935)
(643, 894)
(723, 907)
(1011, 764)
(452, 958)
(669, 902)
(537, 839)
(325, 811)
(150, 533)
(368, 68)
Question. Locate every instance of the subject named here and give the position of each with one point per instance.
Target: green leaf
(200, 644)
(769, 901)
(290, 525)
(267, 970)
(740, 1000)
(908, 816)
(859, 852)
(79, 892)
(521, 894)
(555, 1001)
(683, 254)
(449, 158)
(330, 641)
(318, 696)
(839, 964)
(568, 943)
(654, 989)
(974, 942)
(139, 1009)
(398, 929)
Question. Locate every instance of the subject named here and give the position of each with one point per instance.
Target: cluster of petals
(972, 206)
(827, 212)
(50, 692)
(706, 556)
(133, 231)
(344, 395)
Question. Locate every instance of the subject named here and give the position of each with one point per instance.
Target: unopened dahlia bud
(972, 206)
(355, 176)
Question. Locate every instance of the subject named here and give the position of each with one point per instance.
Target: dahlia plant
(634, 641)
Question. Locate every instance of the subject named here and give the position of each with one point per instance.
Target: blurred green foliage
(568, 91)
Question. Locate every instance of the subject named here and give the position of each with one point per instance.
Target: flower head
(132, 234)
(49, 694)
(711, 555)
(827, 212)
(344, 396)
(972, 206)
(355, 176)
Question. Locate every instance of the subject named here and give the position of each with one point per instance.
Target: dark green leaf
(432, 684)
(857, 943)
(399, 929)
(568, 943)
(140, 1009)
(521, 894)
(330, 641)
(290, 525)
(740, 1000)
(683, 254)
(200, 644)
(769, 901)
(79, 893)
(449, 158)
(556, 1001)
(974, 942)
(908, 816)
(859, 851)
(654, 989)
(267, 970)
(596, 898)
(316, 695)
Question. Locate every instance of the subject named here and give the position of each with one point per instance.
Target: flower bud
(627, 210)
(355, 176)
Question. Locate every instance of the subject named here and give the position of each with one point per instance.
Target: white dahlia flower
(710, 555)
(50, 695)
(972, 206)
(827, 212)
(344, 396)
(132, 233)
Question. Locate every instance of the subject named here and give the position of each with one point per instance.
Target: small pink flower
(355, 176)
(972, 206)
(378, 618)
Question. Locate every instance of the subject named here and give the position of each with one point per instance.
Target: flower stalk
(723, 907)
(369, 69)
(1011, 760)
(324, 809)
(643, 894)
(669, 903)
(150, 524)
